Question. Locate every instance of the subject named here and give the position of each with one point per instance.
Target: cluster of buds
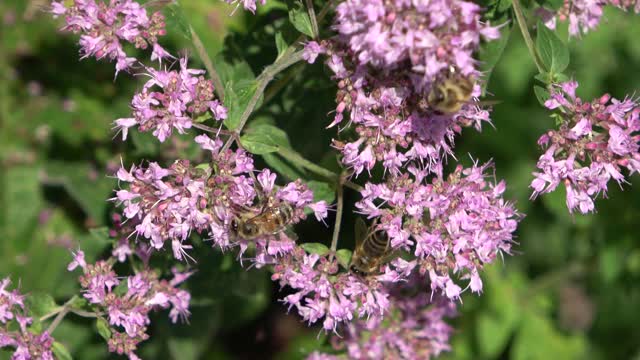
(105, 26)
(126, 303)
(594, 142)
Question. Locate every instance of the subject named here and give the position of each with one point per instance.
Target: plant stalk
(522, 23)
(208, 64)
(336, 227)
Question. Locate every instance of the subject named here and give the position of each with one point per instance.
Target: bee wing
(487, 102)
(360, 232)
(290, 234)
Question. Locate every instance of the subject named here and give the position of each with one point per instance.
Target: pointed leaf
(60, 351)
(315, 248)
(300, 20)
(554, 54)
(344, 257)
(103, 328)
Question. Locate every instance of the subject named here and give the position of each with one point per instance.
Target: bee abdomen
(377, 244)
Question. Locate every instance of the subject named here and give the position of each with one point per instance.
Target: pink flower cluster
(105, 26)
(322, 291)
(594, 142)
(28, 344)
(414, 329)
(128, 311)
(584, 15)
(172, 99)
(386, 58)
(168, 204)
(452, 226)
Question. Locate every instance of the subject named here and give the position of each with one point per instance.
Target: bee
(449, 94)
(270, 221)
(372, 250)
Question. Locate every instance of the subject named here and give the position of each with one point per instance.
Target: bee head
(233, 226)
(356, 271)
(249, 230)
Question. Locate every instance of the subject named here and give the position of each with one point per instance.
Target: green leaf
(344, 257)
(542, 94)
(554, 54)
(103, 328)
(23, 201)
(60, 351)
(322, 191)
(264, 139)
(239, 86)
(41, 304)
(496, 325)
(101, 234)
(281, 44)
(315, 248)
(610, 263)
(291, 172)
(538, 339)
(300, 20)
(490, 53)
(236, 99)
(176, 21)
(257, 143)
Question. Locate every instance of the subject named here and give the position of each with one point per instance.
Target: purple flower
(322, 292)
(28, 343)
(311, 51)
(417, 329)
(128, 312)
(171, 100)
(250, 5)
(386, 58)
(594, 142)
(105, 26)
(170, 204)
(584, 15)
(453, 225)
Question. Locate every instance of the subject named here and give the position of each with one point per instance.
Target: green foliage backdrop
(570, 291)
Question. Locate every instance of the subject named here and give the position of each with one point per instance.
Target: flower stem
(522, 23)
(336, 227)
(62, 312)
(208, 64)
(287, 59)
(296, 158)
(312, 16)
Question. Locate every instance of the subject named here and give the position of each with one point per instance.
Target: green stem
(312, 16)
(336, 227)
(287, 59)
(296, 158)
(208, 64)
(280, 84)
(522, 23)
(62, 312)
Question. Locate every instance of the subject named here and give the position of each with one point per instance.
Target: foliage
(58, 156)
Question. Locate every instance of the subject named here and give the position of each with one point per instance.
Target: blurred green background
(569, 291)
